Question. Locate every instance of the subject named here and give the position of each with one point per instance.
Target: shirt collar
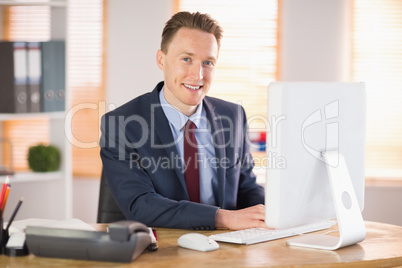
(178, 119)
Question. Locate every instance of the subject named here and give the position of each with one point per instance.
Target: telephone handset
(122, 230)
(123, 242)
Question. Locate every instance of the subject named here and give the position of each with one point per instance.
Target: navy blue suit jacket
(145, 174)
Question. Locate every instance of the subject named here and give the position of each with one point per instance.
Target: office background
(133, 30)
(131, 71)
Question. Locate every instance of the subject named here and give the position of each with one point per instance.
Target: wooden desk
(381, 248)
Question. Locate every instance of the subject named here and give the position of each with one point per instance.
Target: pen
(14, 213)
(5, 199)
(3, 191)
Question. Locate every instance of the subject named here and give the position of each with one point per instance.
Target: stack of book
(32, 77)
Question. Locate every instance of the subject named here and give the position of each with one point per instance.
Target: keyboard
(257, 235)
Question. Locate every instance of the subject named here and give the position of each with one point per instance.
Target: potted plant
(42, 158)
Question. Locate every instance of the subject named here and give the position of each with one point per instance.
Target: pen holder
(18, 248)
(11, 251)
(3, 235)
(3, 240)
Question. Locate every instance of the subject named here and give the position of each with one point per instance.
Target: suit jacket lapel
(162, 130)
(219, 143)
(164, 133)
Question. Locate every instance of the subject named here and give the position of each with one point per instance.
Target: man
(148, 144)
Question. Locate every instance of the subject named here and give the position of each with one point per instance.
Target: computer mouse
(198, 242)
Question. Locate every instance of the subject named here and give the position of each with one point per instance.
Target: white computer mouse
(198, 242)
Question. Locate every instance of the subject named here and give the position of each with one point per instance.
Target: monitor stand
(349, 218)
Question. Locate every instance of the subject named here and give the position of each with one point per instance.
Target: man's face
(189, 67)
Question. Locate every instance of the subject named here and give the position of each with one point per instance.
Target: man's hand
(241, 219)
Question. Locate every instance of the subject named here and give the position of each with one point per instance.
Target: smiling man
(175, 157)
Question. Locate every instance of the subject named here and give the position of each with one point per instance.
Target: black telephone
(123, 242)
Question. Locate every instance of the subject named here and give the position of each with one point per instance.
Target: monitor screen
(307, 119)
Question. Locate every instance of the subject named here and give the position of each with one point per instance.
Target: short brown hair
(196, 20)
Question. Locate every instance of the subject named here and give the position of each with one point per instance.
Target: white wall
(134, 31)
(314, 40)
(86, 196)
(383, 204)
(314, 46)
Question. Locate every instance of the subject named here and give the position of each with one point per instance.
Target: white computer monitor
(316, 138)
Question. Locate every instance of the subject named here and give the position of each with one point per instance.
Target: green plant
(42, 158)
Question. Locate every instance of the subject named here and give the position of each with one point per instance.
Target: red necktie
(191, 168)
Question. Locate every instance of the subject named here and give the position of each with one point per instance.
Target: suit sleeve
(134, 191)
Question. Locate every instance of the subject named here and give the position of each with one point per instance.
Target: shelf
(24, 116)
(33, 177)
(47, 194)
(34, 3)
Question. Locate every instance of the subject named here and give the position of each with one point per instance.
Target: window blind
(86, 67)
(248, 56)
(377, 61)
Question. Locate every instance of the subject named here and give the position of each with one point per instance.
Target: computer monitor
(316, 140)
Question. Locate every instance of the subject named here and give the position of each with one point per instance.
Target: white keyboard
(257, 235)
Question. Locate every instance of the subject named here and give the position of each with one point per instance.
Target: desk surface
(381, 248)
